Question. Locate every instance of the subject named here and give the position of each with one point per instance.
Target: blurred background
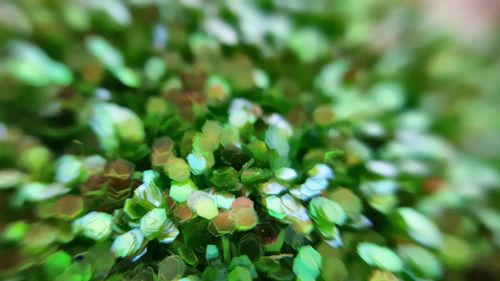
(444, 55)
(447, 51)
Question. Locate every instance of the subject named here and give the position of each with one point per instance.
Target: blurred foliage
(240, 140)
